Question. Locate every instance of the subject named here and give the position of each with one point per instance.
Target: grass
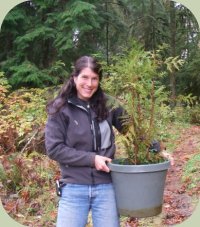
(172, 134)
(191, 172)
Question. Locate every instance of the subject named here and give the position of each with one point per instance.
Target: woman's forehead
(89, 72)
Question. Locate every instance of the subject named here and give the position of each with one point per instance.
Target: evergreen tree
(39, 39)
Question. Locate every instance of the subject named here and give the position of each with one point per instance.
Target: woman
(79, 136)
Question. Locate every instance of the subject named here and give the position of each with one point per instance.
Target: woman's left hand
(168, 156)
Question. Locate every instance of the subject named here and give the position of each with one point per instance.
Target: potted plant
(139, 178)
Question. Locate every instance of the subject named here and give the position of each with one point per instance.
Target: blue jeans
(77, 200)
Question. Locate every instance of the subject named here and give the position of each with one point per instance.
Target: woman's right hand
(100, 163)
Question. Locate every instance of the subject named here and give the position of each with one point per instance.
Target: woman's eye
(84, 77)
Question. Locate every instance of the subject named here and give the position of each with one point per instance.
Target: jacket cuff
(92, 159)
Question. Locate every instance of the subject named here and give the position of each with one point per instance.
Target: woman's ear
(74, 78)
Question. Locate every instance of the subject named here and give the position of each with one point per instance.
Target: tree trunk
(172, 27)
(107, 35)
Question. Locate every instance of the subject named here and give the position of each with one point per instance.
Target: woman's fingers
(100, 163)
(168, 156)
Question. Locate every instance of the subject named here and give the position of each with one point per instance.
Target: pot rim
(139, 168)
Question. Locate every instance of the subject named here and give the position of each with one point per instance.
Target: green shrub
(195, 115)
(23, 116)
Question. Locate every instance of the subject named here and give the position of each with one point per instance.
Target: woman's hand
(100, 163)
(168, 156)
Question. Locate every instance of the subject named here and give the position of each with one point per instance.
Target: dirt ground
(179, 203)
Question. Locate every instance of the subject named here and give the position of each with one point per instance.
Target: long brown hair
(97, 101)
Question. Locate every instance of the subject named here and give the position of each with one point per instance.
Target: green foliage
(7, 130)
(33, 187)
(186, 100)
(42, 33)
(142, 96)
(58, 72)
(23, 116)
(78, 19)
(173, 63)
(3, 81)
(195, 115)
(4, 88)
(51, 33)
(188, 77)
(191, 172)
(182, 112)
(28, 75)
(12, 178)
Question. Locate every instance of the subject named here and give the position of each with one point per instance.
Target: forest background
(39, 41)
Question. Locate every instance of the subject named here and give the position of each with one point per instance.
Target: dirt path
(179, 203)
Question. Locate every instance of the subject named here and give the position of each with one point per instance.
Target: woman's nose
(89, 82)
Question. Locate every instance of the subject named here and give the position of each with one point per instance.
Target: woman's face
(87, 83)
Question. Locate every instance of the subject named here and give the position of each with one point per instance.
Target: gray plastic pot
(139, 188)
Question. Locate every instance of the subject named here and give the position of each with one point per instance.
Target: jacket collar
(79, 103)
(84, 105)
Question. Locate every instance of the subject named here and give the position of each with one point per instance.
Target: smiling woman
(80, 137)
(87, 83)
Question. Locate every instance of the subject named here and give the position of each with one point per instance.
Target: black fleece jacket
(73, 137)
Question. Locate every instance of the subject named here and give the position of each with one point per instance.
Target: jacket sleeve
(118, 113)
(118, 119)
(56, 148)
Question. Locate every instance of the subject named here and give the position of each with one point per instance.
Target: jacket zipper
(92, 130)
(91, 123)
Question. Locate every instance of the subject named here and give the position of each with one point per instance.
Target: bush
(27, 192)
(195, 115)
(23, 116)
